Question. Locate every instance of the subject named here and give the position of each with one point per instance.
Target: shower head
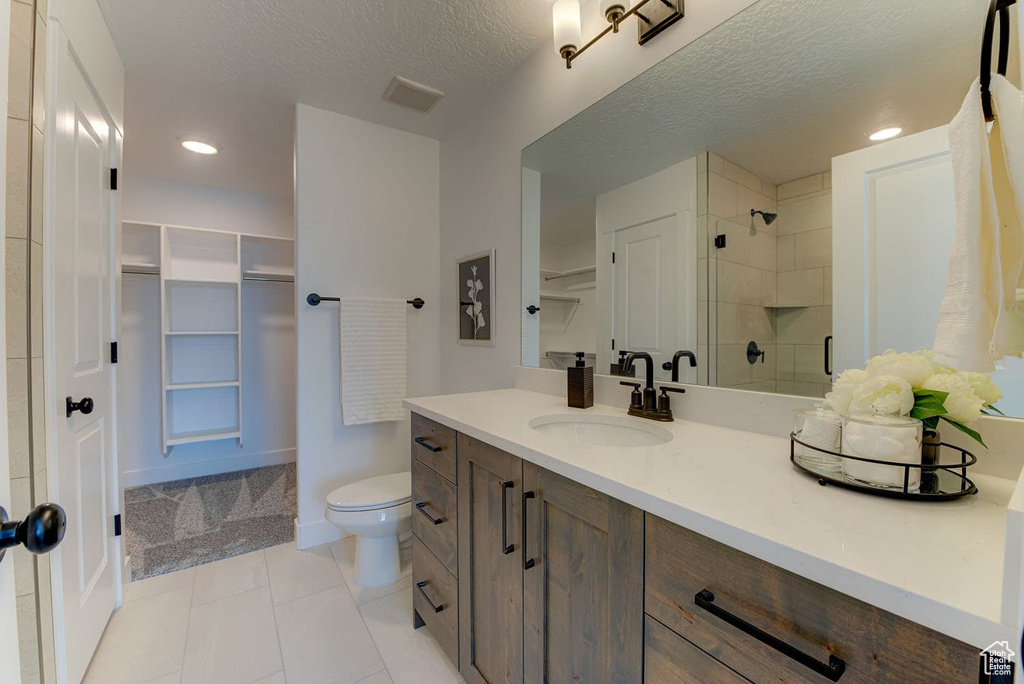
(769, 217)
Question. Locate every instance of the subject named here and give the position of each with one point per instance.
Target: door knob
(41, 531)
(85, 406)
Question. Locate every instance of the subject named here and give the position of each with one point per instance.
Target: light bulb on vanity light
(612, 10)
(565, 18)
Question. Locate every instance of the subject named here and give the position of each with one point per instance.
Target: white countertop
(938, 564)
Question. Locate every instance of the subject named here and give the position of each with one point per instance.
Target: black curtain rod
(313, 299)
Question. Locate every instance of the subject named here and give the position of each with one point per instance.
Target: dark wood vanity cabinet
(583, 560)
(526, 577)
(490, 570)
(700, 590)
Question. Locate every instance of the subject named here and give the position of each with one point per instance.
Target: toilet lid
(373, 493)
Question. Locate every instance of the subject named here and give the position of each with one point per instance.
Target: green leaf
(992, 408)
(931, 423)
(938, 394)
(928, 406)
(973, 434)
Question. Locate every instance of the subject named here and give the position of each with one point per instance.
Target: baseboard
(308, 535)
(216, 466)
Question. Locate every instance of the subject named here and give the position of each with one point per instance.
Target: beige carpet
(175, 525)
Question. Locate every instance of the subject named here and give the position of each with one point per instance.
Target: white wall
(367, 224)
(155, 199)
(481, 170)
(268, 342)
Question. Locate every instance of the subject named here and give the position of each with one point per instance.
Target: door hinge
(117, 525)
(720, 242)
(113, 352)
(613, 257)
(113, 179)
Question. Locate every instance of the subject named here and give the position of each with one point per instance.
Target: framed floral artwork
(476, 299)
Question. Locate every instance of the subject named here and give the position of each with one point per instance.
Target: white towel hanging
(374, 366)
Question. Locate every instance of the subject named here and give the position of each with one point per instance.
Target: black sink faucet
(650, 395)
(673, 365)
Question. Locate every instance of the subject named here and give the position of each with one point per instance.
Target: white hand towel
(374, 364)
(977, 321)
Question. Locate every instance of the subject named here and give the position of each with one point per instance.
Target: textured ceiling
(779, 89)
(337, 55)
(254, 136)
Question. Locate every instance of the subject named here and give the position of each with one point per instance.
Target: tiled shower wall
(23, 278)
(804, 287)
(771, 284)
(741, 276)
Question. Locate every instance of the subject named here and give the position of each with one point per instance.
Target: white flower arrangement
(912, 384)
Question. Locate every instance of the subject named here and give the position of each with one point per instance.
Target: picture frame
(475, 281)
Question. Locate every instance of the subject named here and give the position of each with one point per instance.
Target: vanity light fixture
(653, 17)
(885, 134)
(199, 146)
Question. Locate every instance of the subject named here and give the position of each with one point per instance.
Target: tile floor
(277, 616)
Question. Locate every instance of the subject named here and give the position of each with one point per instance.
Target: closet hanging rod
(249, 278)
(313, 299)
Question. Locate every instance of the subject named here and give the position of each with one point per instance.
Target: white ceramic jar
(896, 439)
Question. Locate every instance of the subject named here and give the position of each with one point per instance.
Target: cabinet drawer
(436, 446)
(671, 659)
(435, 515)
(809, 618)
(435, 595)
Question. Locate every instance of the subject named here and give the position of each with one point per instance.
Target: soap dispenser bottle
(581, 383)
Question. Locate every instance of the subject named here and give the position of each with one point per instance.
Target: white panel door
(645, 290)
(82, 281)
(894, 218)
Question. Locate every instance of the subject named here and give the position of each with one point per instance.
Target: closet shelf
(177, 438)
(570, 273)
(268, 276)
(201, 385)
(199, 333)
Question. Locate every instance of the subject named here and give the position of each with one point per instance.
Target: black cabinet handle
(435, 608)
(828, 355)
(832, 670)
(422, 441)
(506, 548)
(422, 508)
(532, 309)
(527, 562)
(85, 406)
(40, 532)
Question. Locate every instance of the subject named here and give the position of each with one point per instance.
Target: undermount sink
(601, 430)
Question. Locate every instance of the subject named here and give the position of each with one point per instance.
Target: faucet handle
(677, 390)
(634, 385)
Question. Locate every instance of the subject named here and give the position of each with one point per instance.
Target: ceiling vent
(413, 95)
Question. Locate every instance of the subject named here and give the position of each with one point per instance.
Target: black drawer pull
(422, 508)
(832, 671)
(422, 441)
(527, 562)
(506, 548)
(436, 609)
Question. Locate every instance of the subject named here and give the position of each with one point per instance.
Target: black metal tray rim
(958, 470)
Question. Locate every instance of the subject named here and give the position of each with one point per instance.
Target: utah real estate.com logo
(997, 659)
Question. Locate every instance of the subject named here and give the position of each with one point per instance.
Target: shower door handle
(828, 355)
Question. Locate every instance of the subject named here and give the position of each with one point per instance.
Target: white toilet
(376, 510)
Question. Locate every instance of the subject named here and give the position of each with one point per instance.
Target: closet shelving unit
(201, 276)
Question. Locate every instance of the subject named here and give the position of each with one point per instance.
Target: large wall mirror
(729, 201)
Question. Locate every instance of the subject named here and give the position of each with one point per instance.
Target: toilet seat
(372, 494)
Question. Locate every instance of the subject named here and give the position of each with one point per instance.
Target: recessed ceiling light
(199, 146)
(885, 134)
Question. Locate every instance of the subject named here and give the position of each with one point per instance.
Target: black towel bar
(313, 299)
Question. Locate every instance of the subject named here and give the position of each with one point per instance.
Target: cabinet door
(583, 554)
(490, 568)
